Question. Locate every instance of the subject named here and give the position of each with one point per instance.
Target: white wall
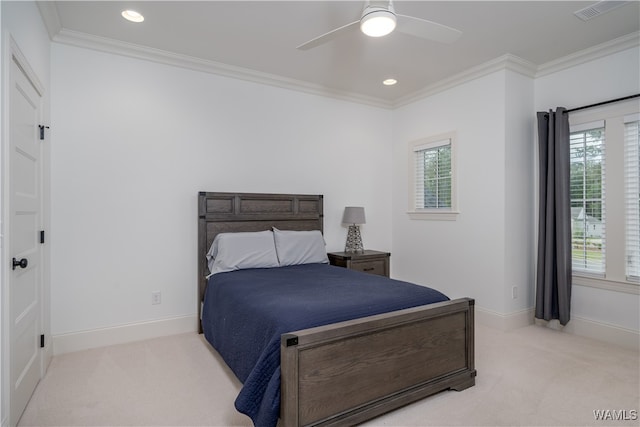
(135, 141)
(491, 247)
(465, 257)
(610, 77)
(519, 193)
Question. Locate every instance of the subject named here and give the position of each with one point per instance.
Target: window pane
(587, 200)
(433, 173)
(632, 191)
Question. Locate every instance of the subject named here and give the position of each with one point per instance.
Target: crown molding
(504, 62)
(49, 14)
(57, 33)
(522, 66)
(629, 41)
(103, 44)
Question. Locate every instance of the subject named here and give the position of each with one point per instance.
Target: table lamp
(354, 216)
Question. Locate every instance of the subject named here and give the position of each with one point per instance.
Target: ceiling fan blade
(327, 37)
(426, 29)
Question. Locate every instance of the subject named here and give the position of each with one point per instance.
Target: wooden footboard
(349, 372)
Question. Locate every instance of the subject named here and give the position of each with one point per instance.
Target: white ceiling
(260, 37)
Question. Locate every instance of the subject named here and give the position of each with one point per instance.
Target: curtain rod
(604, 102)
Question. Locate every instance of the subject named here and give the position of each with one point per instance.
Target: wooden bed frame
(348, 372)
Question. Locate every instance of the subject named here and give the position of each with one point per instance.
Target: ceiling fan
(378, 21)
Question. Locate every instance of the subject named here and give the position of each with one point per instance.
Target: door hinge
(42, 128)
(42, 341)
(41, 236)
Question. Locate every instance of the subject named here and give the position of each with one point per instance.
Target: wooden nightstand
(373, 262)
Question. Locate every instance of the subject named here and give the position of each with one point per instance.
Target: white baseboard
(604, 332)
(504, 322)
(579, 326)
(75, 341)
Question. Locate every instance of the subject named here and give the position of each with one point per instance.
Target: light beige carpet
(531, 376)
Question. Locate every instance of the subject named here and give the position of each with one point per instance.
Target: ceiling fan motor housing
(378, 21)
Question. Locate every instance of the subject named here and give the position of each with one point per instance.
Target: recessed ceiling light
(389, 82)
(132, 15)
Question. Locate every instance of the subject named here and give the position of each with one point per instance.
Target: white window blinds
(632, 195)
(433, 175)
(587, 180)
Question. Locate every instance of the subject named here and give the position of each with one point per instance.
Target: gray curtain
(553, 285)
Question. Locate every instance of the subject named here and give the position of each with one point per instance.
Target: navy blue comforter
(246, 311)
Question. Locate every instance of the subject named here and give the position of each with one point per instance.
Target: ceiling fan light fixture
(377, 22)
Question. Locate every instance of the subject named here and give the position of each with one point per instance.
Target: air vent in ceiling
(598, 9)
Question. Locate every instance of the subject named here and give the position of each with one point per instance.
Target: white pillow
(300, 247)
(236, 251)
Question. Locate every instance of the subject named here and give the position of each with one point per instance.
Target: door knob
(21, 263)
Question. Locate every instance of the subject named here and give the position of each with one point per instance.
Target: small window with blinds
(632, 196)
(432, 183)
(587, 187)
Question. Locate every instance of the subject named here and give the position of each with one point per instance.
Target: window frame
(614, 277)
(440, 214)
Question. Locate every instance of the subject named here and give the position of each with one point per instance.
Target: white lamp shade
(353, 215)
(378, 23)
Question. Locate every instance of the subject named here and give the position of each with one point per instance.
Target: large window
(432, 186)
(605, 201)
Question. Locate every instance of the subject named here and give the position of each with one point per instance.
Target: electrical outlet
(514, 292)
(156, 298)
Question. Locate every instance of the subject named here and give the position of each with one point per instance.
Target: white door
(24, 249)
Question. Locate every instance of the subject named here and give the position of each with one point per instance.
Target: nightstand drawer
(374, 266)
(372, 262)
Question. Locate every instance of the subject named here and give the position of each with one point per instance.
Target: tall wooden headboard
(237, 212)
